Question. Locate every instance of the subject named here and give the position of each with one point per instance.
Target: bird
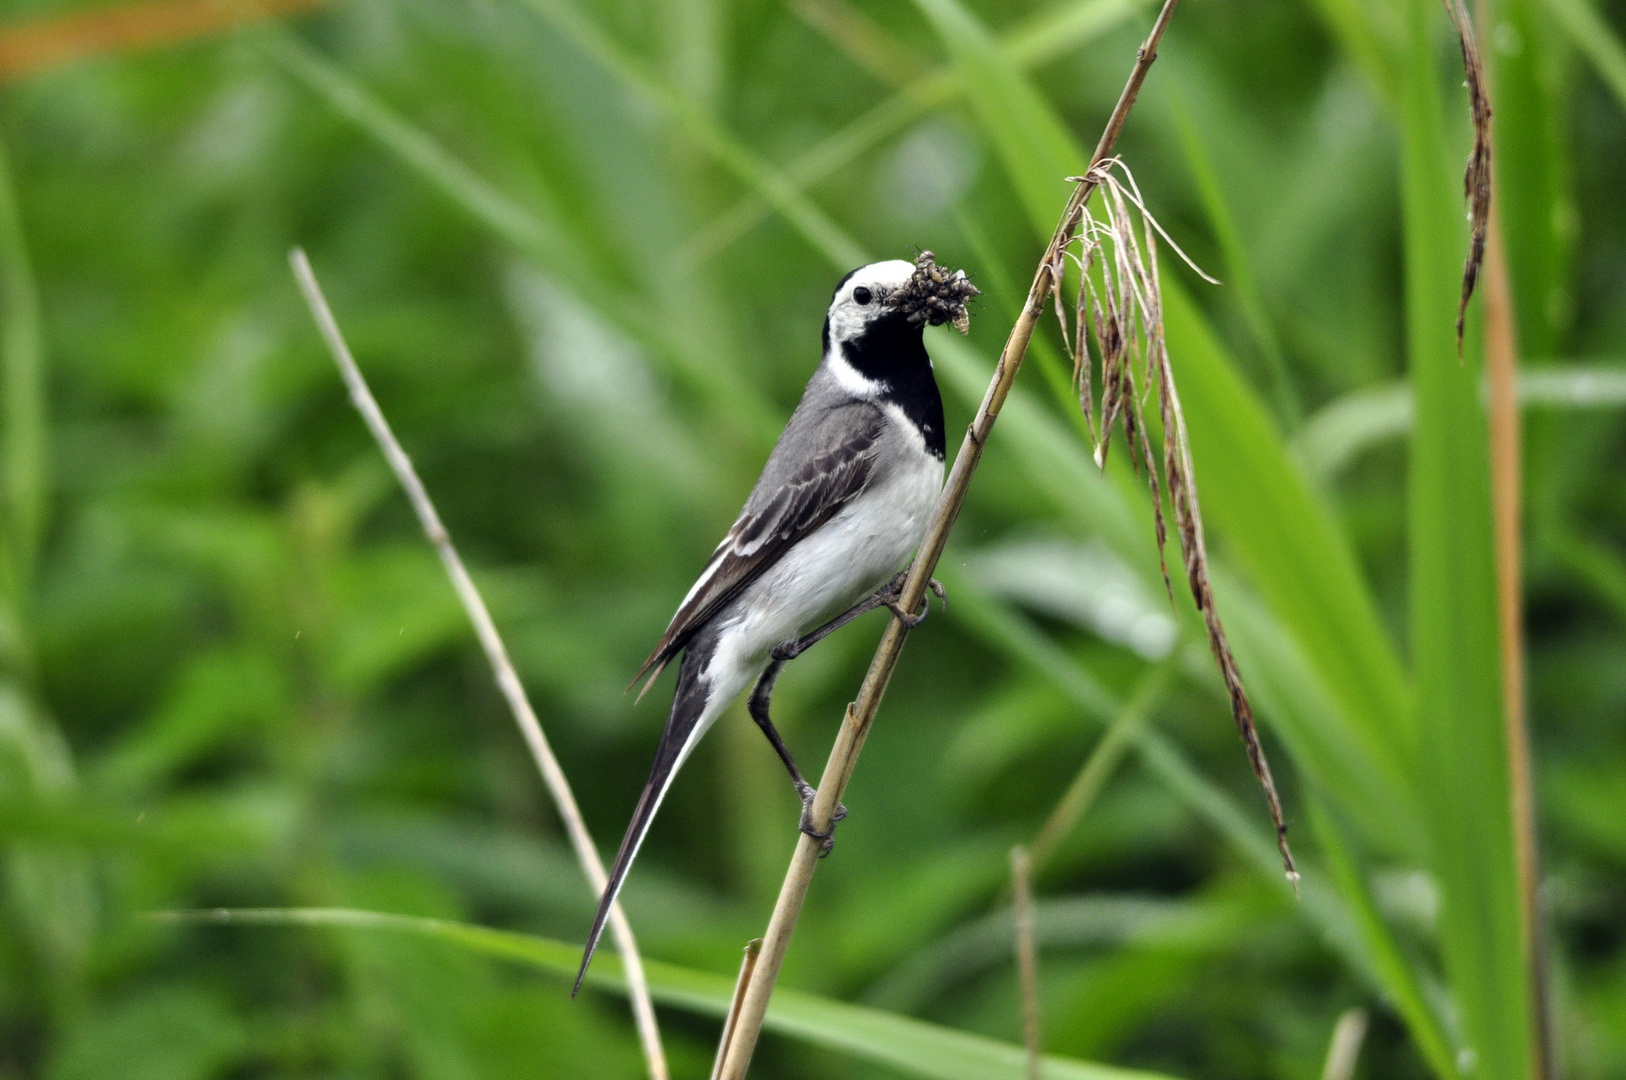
(843, 501)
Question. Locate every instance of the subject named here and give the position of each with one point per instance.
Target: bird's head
(897, 294)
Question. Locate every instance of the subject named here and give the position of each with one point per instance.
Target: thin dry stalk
(748, 964)
(1124, 301)
(861, 713)
(507, 679)
(1476, 178)
(1344, 1049)
(1027, 958)
(1501, 378)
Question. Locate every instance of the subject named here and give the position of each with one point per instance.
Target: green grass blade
(518, 225)
(772, 185)
(1238, 272)
(1453, 599)
(1035, 146)
(534, 235)
(913, 1047)
(22, 396)
(1374, 44)
(1349, 925)
(1533, 194)
(1393, 971)
(1039, 39)
(1284, 537)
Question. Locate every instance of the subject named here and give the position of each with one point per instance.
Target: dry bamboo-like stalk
(741, 1044)
(748, 963)
(513, 691)
(1027, 958)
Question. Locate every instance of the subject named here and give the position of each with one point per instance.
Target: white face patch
(848, 317)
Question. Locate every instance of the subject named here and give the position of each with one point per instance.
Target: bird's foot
(827, 837)
(893, 589)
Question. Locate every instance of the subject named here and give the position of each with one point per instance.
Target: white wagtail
(843, 501)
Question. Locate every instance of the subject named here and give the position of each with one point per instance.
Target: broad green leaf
(911, 1046)
(1012, 114)
(1238, 273)
(1454, 639)
(1284, 537)
(1397, 976)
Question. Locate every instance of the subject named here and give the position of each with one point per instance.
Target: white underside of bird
(846, 559)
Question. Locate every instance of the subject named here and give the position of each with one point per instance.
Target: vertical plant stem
(1506, 445)
(861, 713)
(1027, 958)
(1455, 640)
(513, 691)
(1501, 375)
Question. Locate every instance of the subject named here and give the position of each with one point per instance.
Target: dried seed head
(935, 294)
(1119, 310)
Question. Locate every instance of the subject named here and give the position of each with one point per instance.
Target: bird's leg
(886, 596)
(757, 705)
(790, 650)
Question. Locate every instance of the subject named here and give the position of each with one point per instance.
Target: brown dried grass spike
(1121, 293)
(1476, 178)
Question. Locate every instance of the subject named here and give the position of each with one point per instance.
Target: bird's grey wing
(817, 468)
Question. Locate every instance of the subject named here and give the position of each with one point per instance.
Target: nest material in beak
(935, 294)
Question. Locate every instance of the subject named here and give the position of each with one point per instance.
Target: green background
(582, 251)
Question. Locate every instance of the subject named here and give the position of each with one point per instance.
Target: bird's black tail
(688, 705)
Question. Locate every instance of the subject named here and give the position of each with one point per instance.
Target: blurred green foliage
(582, 251)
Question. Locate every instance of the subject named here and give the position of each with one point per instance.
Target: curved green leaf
(911, 1046)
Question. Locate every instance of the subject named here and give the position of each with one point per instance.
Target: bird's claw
(911, 620)
(826, 837)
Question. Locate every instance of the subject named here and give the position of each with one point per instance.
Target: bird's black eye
(863, 295)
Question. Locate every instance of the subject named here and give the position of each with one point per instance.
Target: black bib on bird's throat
(892, 352)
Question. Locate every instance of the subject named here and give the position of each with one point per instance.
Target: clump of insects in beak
(935, 294)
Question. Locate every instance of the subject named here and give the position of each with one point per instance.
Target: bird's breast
(851, 555)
